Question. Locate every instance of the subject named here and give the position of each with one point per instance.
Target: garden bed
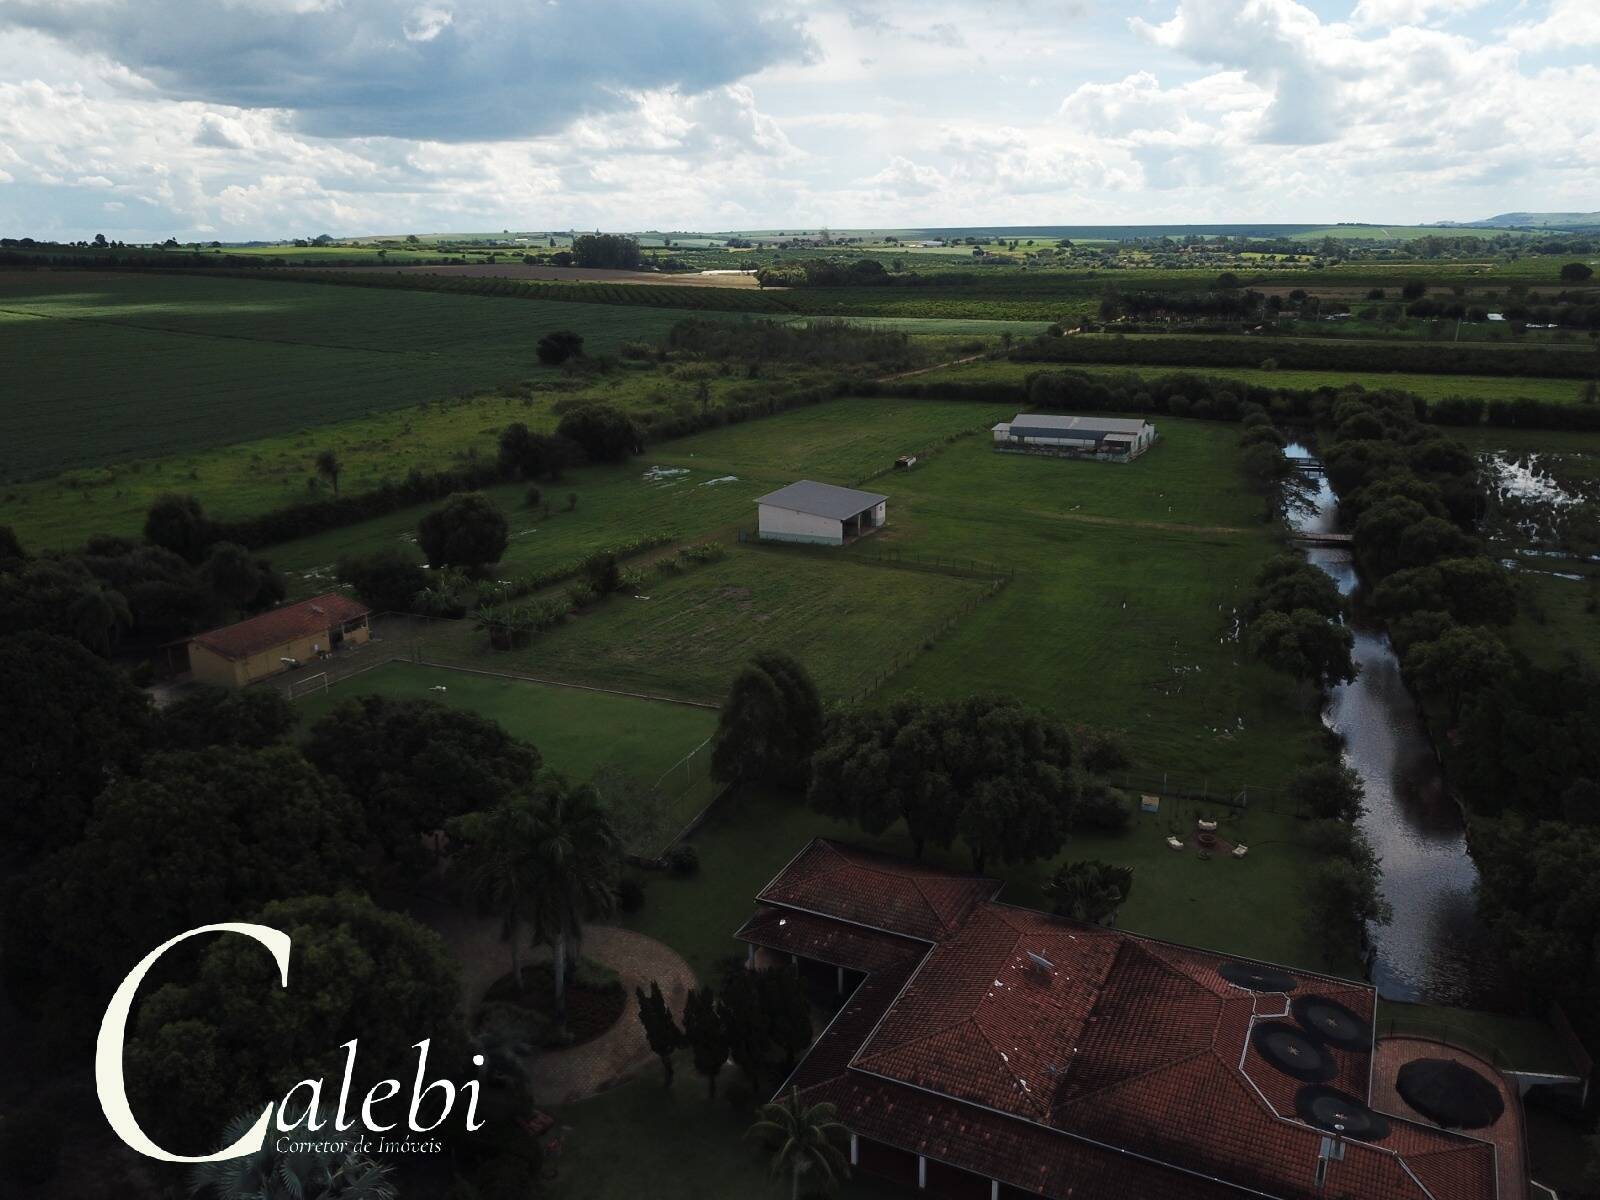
(596, 1000)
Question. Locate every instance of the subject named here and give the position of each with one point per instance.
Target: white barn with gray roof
(1119, 438)
(819, 513)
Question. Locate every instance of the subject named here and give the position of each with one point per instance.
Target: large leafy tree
(808, 1143)
(771, 725)
(198, 837)
(1288, 582)
(414, 764)
(179, 524)
(213, 716)
(468, 532)
(386, 580)
(987, 769)
(231, 1038)
(606, 433)
(1457, 663)
(69, 724)
(1304, 644)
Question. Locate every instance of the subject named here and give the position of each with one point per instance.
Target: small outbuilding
(819, 513)
(1118, 439)
(276, 641)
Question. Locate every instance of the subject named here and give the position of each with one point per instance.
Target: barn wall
(786, 525)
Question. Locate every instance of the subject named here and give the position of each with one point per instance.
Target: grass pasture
(615, 505)
(117, 366)
(848, 620)
(1121, 610)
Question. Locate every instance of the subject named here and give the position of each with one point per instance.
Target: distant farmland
(107, 367)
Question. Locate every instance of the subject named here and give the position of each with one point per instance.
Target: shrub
(582, 595)
(533, 496)
(386, 581)
(1100, 809)
(682, 859)
(556, 348)
(630, 894)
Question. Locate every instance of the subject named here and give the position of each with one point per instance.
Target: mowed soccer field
(577, 731)
(107, 367)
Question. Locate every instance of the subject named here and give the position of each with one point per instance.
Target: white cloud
(1567, 23)
(1370, 13)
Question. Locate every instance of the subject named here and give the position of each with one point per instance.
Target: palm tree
(805, 1143)
(499, 865)
(1090, 891)
(298, 1175)
(579, 858)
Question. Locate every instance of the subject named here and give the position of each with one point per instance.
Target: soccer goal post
(308, 685)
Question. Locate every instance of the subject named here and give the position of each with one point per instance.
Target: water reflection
(1430, 951)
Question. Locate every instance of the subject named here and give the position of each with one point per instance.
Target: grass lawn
(1253, 906)
(1120, 613)
(848, 621)
(577, 731)
(1520, 1043)
(838, 442)
(106, 368)
(1429, 387)
(615, 505)
(1557, 619)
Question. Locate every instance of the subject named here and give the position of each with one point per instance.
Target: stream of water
(1432, 950)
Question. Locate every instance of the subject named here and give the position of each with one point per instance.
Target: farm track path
(954, 362)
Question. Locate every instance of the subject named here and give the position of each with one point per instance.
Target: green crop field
(105, 368)
(577, 731)
(1429, 387)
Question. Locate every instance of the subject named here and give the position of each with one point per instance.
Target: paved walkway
(1506, 1133)
(562, 1076)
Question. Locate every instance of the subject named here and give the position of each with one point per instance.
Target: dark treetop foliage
(198, 837)
(69, 724)
(253, 718)
(987, 770)
(771, 725)
(556, 348)
(469, 532)
(385, 580)
(233, 1038)
(414, 764)
(605, 433)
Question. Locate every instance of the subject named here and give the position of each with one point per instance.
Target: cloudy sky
(237, 119)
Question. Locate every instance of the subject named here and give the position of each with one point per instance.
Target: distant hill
(1532, 220)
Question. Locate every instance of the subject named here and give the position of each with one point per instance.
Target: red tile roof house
(991, 1051)
(275, 641)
